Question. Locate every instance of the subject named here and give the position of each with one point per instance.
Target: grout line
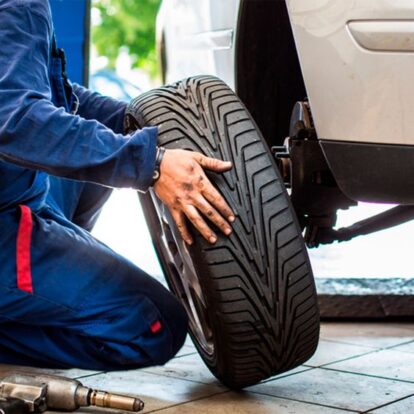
(385, 348)
(184, 379)
(280, 376)
(385, 405)
(403, 343)
(184, 355)
(379, 348)
(305, 402)
(365, 354)
(258, 393)
(368, 375)
(91, 375)
(345, 359)
(187, 402)
(350, 343)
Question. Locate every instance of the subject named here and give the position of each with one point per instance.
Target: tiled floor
(359, 367)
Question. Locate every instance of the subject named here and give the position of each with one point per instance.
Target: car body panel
(357, 61)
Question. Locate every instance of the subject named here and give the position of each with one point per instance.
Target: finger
(199, 223)
(217, 200)
(182, 227)
(213, 215)
(213, 164)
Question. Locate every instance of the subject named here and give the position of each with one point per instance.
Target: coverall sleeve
(37, 135)
(104, 109)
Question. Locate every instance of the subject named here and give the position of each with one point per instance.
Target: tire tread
(258, 282)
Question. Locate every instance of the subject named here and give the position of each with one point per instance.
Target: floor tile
(188, 348)
(405, 406)
(293, 371)
(386, 363)
(336, 389)
(357, 375)
(185, 350)
(329, 352)
(408, 347)
(155, 390)
(248, 403)
(190, 367)
(375, 335)
(70, 373)
(92, 410)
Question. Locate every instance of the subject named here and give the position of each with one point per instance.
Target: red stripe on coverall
(24, 236)
(155, 327)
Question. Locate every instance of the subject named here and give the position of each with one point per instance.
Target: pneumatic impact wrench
(28, 392)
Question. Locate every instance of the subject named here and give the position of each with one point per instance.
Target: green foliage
(129, 24)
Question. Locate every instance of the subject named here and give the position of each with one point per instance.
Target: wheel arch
(268, 76)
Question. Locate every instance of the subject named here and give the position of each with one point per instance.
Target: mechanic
(67, 300)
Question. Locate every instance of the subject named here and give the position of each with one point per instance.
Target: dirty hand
(185, 189)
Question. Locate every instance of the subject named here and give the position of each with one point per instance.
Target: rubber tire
(262, 303)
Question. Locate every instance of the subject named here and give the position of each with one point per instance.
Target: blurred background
(123, 60)
(123, 64)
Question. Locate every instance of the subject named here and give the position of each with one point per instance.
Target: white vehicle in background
(329, 85)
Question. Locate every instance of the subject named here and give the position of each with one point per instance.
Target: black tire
(258, 305)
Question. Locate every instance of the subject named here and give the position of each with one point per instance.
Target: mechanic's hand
(185, 189)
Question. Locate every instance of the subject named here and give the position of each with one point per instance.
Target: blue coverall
(67, 300)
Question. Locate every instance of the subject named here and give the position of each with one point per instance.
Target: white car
(352, 60)
(329, 85)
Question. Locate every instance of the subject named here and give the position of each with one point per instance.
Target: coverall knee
(84, 305)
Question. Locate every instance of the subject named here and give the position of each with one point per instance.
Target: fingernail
(227, 232)
(231, 219)
(212, 240)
